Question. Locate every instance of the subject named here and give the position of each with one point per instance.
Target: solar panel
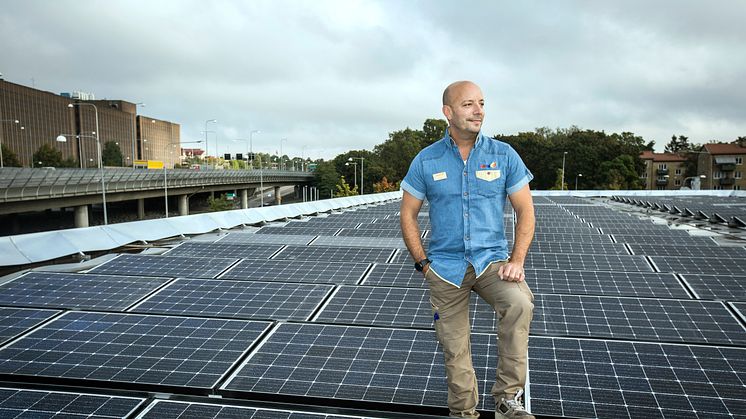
(717, 287)
(22, 403)
(164, 266)
(380, 306)
(632, 284)
(395, 275)
(579, 248)
(306, 271)
(158, 350)
(233, 299)
(587, 262)
(369, 232)
(314, 230)
(659, 320)
(665, 240)
(571, 238)
(14, 321)
(161, 409)
(597, 378)
(225, 250)
(80, 291)
(674, 249)
(699, 265)
(240, 238)
(338, 241)
(334, 254)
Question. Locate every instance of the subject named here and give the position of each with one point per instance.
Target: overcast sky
(332, 76)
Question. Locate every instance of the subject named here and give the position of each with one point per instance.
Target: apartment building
(723, 166)
(664, 171)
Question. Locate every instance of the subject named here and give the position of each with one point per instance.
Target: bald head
(451, 92)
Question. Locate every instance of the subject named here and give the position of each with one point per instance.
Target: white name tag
(488, 175)
(440, 176)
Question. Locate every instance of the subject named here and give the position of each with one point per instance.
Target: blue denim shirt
(466, 202)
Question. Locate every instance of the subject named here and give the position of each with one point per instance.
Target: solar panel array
(325, 317)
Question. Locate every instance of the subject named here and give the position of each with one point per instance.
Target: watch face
(418, 266)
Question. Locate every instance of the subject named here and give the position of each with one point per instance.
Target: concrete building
(43, 116)
(723, 166)
(663, 171)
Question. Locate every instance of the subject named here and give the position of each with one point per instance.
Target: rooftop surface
(324, 317)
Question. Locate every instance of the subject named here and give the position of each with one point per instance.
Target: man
(466, 177)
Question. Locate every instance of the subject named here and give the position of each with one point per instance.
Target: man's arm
(410, 229)
(524, 234)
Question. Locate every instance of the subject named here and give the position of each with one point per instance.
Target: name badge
(440, 176)
(488, 175)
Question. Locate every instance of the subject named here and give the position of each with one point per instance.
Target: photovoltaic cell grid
(579, 248)
(14, 321)
(306, 271)
(234, 299)
(663, 240)
(395, 275)
(699, 265)
(313, 230)
(163, 409)
(240, 238)
(157, 350)
(571, 238)
(587, 262)
(334, 254)
(369, 232)
(611, 379)
(713, 251)
(18, 403)
(164, 266)
(77, 291)
(656, 320)
(631, 284)
(378, 306)
(255, 251)
(382, 242)
(718, 287)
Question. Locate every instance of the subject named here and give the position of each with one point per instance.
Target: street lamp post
(80, 145)
(251, 145)
(100, 161)
(15, 121)
(134, 133)
(576, 180)
(563, 170)
(282, 163)
(207, 151)
(165, 178)
(362, 172)
(354, 170)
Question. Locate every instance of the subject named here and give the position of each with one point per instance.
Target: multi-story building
(723, 166)
(43, 116)
(663, 171)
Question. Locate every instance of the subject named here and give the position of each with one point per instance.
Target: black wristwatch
(420, 266)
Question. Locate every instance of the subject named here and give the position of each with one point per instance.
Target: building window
(736, 187)
(739, 160)
(677, 182)
(662, 166)
(717, 188)
(678, 172)
(662, 177)
(661, 188)
(644, 175)
(737, 175)
(717, 175)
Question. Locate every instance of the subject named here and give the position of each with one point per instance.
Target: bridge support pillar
(141, 209)
(81, 216)
(244, 198)
(183, 205)
(278, 197)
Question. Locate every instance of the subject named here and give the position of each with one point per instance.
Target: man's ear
(448, 112)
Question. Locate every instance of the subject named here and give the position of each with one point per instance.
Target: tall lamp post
(80, 146)
(251, 145)
(576, 180)
(354, 170)
(207, 151)
(15, 121)
(282, 163)
(562, 185)
(134, 133)
(165, 178)
(100, 161)
(362, 172)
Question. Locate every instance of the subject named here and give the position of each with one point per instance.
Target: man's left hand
(511, 271)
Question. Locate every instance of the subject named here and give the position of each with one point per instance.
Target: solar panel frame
(306, 271)
(225, 250)
(241, 238)
(334, 254)
(77, 291)
(348, 241)
(164, 266)
(631, 284)
(714, 251)
(597, 262)
(699, 265)
(233, 299)
(28, 403)
(187, 352)
(717, 287)
(160, 409)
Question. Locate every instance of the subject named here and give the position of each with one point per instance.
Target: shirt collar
(449, 141)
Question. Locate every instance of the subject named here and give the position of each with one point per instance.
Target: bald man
(466, 177)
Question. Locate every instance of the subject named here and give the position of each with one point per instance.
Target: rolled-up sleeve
(413, 182)
(518, 174)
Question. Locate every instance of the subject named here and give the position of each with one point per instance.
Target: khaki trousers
(513, 303)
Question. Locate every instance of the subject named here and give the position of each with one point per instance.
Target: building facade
(43, 116)
(664, 171)
(723, 166)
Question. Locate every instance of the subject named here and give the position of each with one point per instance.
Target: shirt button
(466, 238)
(464, 173)
(466, 193)
(466, 214)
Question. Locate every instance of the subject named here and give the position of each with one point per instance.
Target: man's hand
(425, 268)
(511, 271)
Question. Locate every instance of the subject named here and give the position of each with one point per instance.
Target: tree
(112, 154)
(220, 204)
(10, 159)
(343, 188)
(48, 156)
(558, 182)
(434, 130)
(678, 144)
(385, 186)
(326, 178)
(620, 173)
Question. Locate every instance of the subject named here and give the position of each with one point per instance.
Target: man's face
(465, 112)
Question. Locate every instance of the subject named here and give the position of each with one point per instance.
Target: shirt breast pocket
(440, 182)
(490, 182)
